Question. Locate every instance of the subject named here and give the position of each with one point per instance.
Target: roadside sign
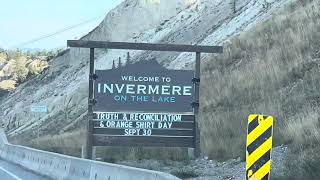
(149, 93)
(143, 104)
(39, 109)
(145, 86)
(258, 147)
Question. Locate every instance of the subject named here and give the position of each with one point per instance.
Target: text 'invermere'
(142, 92)
(145, 87)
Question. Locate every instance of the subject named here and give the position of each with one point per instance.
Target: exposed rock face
(63, 86)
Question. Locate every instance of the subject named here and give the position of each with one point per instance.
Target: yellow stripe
(260, 151)
(264, 170)
(263, 126)
(251, 117)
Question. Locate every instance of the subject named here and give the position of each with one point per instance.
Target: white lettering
(146, 89)
(109, 88)
(119, 89)
(154, 90)
(176, 89)
(124, 78)
(165, 90)
(130, 88)
(141, 89)
(99, 87)
(187, 90)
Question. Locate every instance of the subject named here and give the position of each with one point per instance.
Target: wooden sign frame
(152, 47)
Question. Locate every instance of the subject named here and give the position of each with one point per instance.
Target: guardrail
(58, 166)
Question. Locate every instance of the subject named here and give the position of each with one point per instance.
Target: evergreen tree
(233, 4)
(119, 63)
(20, 70)
(128, 59)
(113, 65)
(266, 5)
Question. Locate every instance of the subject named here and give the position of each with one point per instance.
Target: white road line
(12, 175)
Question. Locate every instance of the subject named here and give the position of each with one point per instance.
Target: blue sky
(25, 20)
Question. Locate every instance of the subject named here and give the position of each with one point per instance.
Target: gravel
(206, 169)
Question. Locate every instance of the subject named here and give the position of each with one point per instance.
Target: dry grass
(273, 70)
(68, 143)
(115, 154)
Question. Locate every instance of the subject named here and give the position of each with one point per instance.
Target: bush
(184, 173)
(7, 85)
(20, 70)
(37, 66)
(3, 57)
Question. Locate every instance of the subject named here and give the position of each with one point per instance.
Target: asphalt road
(9, 171)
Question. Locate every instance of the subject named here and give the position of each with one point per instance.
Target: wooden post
(94, 150)
(90, 107)
(197, 152)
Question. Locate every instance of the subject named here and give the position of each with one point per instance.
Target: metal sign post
(162, 110)
(259, 147)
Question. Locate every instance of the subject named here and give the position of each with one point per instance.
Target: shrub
(7, 85)
(185, 172)
(20, 70)
(37, 66)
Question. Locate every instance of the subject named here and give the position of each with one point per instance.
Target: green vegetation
(37, 66)
(20, 70)
(15, 53)
(16, 66)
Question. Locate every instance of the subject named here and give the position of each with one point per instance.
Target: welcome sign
(144, 87)
(143, 104)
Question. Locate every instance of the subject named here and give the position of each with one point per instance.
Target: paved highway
(9, 171)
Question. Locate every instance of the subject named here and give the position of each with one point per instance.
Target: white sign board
(39, 109)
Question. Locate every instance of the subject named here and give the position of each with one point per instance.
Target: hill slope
(63, 87)
(272, 69)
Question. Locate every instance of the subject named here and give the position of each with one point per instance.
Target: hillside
(272, 69)
(63, 87)
(270, 65)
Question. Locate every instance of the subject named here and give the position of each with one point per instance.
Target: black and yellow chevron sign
(259, 145)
